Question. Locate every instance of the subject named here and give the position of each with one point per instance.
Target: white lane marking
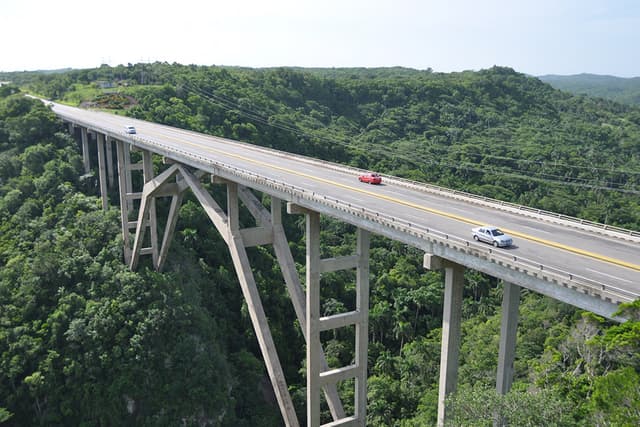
(609, 275)
(453, 208)
(537, 230)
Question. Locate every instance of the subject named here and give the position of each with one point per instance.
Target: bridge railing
(532, 268)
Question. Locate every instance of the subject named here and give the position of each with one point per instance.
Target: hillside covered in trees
(619, 89)
(84, 341)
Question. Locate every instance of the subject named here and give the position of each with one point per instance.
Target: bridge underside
(141, 238)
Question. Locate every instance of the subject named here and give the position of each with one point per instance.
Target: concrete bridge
(591, 266)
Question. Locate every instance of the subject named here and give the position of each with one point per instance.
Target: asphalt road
(612, 261)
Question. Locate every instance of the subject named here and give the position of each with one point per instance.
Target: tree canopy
(84, 341)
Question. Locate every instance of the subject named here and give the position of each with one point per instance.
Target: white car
(492, 235)
(130, 129)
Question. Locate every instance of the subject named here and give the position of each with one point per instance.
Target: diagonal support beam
(254, 206)
(176, 202)
(291, 278)
(148, 193)
(228, 227)
(256, 311)
(211, 208)
(152, 187)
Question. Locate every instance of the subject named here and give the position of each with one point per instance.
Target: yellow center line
(545, 242)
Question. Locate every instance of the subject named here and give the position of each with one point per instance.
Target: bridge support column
(102, 171)
(451, 327)
(313, 318)
(124, 168)
(294, 288)
(85, 150)
(109, 148)
(237, 239)
(362, 327)
(317, 375)
(508, 334)
(147, 171)
(269, 230)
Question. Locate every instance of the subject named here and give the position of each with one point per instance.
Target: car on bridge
(492, 235)
(370, 178)
(130, 129)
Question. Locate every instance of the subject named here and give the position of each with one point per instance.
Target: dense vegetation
(84, 341)
(619, 89)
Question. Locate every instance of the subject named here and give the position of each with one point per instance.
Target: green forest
(620, 89)
(84, 341)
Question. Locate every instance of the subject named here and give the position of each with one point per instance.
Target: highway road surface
(607, 259)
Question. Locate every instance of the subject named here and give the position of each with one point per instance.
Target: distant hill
(624, 90)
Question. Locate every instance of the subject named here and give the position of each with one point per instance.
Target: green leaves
(479, 406)
(85, 341)
(616, 398)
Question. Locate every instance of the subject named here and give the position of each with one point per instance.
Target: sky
(536, 37)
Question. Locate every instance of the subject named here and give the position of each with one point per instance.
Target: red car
(371, 178)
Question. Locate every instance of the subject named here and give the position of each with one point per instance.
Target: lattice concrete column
(508, 335)
(451, 326)
(128, 179)
(148, 172)
(298, 297)
(85, 150)
(362, 326)
(314, 347)
(102, 171)
(320, 376)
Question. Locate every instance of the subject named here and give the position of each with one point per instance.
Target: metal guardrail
(521, 264)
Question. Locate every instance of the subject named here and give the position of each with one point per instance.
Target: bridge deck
(594, 261)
